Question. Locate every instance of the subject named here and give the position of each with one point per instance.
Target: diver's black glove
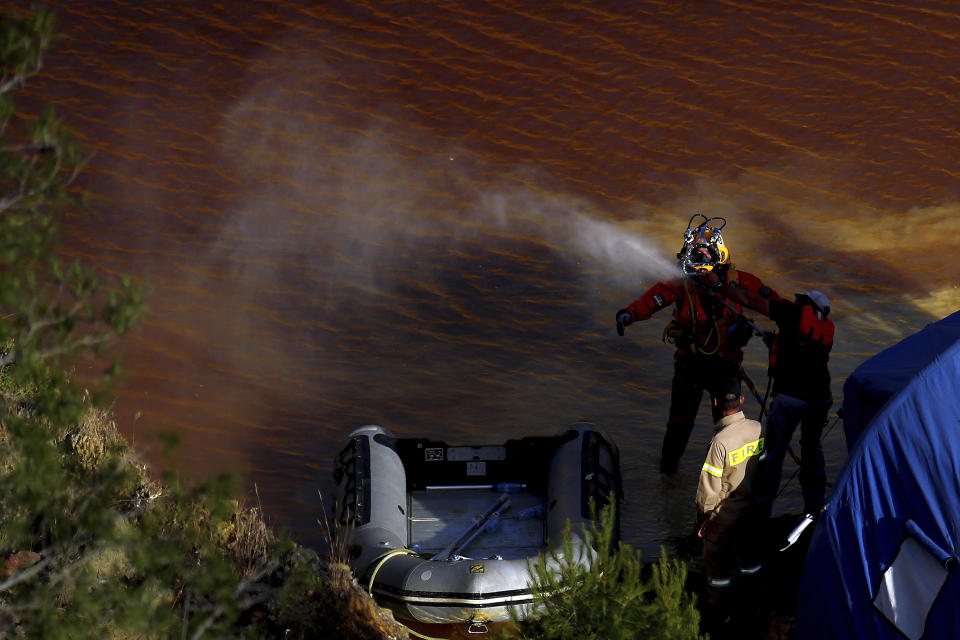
(624, 318)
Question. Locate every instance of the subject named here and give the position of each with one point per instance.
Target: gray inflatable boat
(443, 534)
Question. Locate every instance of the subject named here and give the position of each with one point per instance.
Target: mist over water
(359, 213)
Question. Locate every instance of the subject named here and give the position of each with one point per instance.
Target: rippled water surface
(424, 215)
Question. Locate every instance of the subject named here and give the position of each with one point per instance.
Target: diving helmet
(703, 248)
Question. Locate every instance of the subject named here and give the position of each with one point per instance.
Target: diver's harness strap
(686, 337)
(714, 330)
(768, 337)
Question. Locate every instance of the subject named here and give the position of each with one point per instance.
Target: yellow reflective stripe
(750, 449)
(712, 470)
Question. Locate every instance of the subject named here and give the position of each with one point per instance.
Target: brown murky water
(424, 215)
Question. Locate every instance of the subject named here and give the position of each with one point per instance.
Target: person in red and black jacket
(709, 336)
(801, 392)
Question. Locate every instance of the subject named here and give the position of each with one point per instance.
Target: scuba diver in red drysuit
(709, 336)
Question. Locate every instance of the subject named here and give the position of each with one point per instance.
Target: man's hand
(624, 318)
(699, 525)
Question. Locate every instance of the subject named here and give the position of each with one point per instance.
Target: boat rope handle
(382, 560)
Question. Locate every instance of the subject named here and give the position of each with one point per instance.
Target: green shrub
(615, 596)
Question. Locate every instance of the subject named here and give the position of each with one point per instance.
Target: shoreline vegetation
(155, 560)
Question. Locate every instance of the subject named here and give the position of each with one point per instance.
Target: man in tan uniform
(724, 506)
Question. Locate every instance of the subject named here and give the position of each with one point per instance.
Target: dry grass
(346, 607)
(94, 439)
(10, 456)
(344, 604)
(246, 537)
(338, 538)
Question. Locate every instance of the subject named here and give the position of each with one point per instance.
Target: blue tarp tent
(879, 378)
(882, 562)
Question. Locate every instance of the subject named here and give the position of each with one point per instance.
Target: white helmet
(819, 300)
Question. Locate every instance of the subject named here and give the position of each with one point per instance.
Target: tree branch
(25, 574)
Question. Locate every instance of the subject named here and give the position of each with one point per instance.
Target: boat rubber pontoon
(443, 534)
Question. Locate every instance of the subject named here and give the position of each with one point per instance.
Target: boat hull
(446, 534)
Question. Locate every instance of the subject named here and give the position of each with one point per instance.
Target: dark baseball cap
(731, 388)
